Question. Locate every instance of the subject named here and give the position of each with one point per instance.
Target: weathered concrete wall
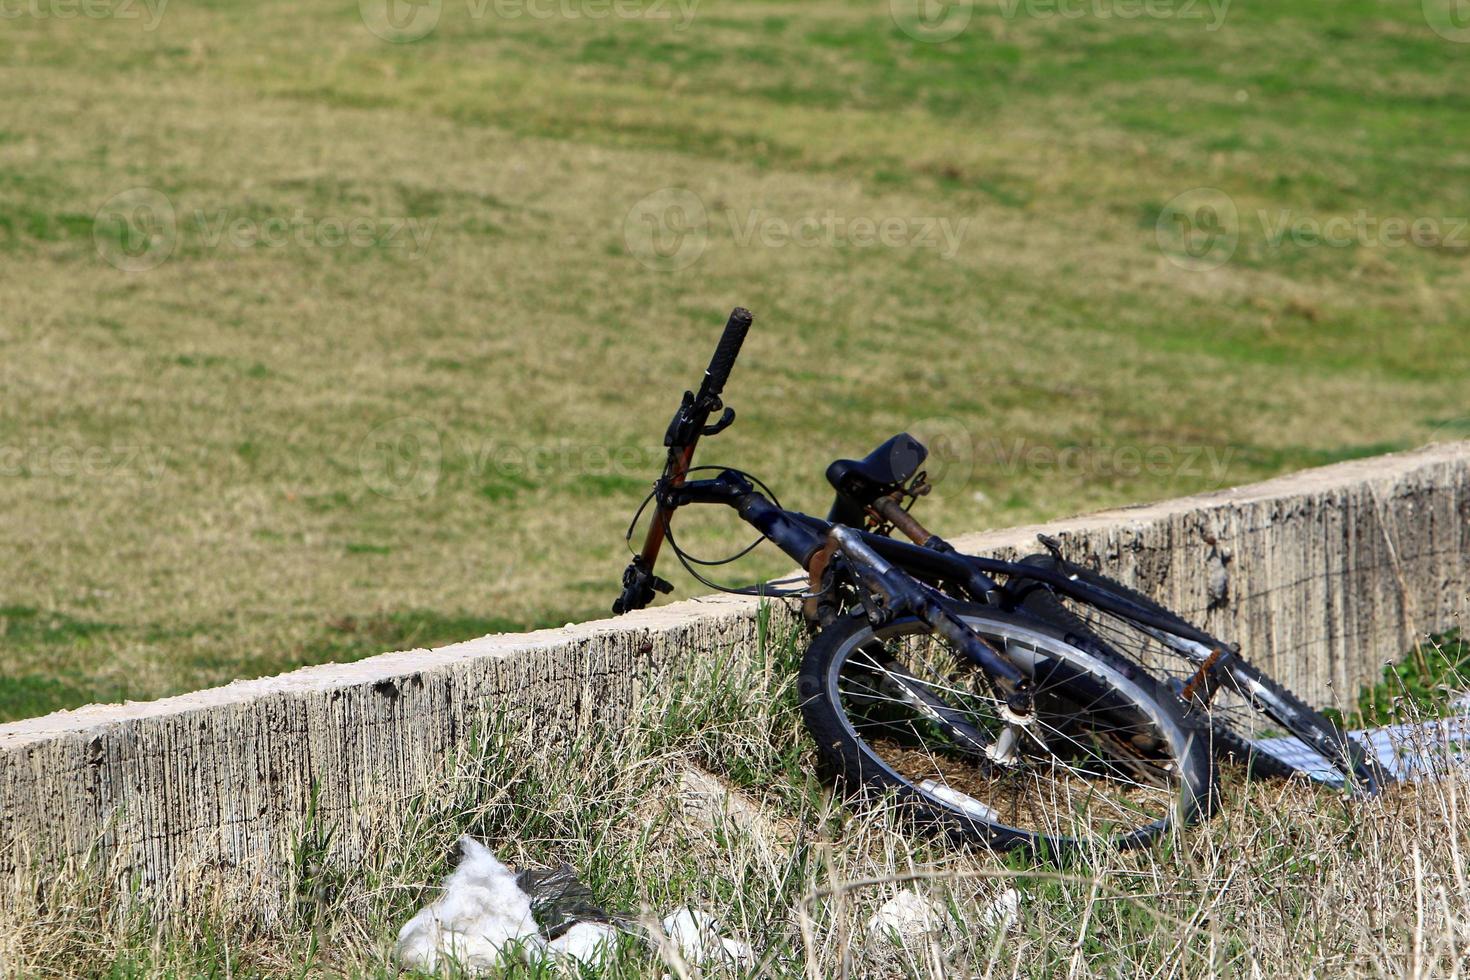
(1329, 572)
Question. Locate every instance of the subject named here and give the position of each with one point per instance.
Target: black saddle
(859, 482)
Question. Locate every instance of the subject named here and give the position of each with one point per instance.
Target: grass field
(317, 344)
(1287, 881)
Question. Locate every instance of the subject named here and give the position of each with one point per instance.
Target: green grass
(1422, 685)
(456, 411)
(1288, 880)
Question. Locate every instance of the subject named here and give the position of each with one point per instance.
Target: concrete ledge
(1320, 576)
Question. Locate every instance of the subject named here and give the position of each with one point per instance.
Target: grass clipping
(708, 801)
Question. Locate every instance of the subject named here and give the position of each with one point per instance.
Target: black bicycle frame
(801, 536)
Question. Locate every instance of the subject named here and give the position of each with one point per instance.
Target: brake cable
(689, 561)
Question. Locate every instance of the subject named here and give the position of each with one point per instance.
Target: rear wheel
(1104, 758)
(1253, 719)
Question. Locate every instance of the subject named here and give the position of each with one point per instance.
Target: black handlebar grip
(719, 366)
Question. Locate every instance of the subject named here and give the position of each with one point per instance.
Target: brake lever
(688, 421)
(721, 425)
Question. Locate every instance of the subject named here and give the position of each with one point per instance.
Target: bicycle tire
(1079, 699)
(1351, 764)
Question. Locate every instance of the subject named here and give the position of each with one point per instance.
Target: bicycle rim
(1100, 761)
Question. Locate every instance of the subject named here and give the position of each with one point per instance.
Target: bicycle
(1238, 702)
(919, 685)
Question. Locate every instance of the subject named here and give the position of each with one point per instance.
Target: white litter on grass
(963, 802)
(1409, 752)
(1004, 912)
(481, 916)
(586, 942)
(907, 919)
(483, 921)
(697, 937)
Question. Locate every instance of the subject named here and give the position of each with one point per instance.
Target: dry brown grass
(230, 524)
(1289, 880)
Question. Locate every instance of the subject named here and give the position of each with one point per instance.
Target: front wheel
(1104, 758)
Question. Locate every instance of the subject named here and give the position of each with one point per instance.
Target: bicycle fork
(892, 593)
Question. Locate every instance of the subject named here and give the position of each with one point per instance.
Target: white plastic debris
(907, 919)
(963, 802)
(697, 936)
(1004, 912)
(483, 921)
(481, 916)
(590, 943)
(1410, 752)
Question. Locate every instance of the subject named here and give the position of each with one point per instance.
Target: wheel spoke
(1078, 763)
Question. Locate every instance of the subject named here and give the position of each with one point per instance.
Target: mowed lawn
(315, 344)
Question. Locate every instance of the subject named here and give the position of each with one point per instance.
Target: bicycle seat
(859, 482)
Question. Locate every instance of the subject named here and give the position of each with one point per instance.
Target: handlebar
(688, 424)
(718, 371)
